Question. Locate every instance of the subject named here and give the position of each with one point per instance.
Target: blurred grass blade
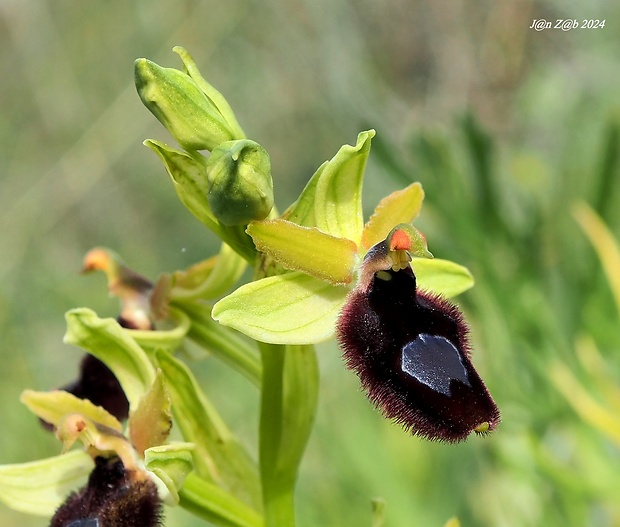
(218, 455)
(288, 406)
(605, 245)
(378, 512)
(583, 403)
(211, 503)
(40, 487)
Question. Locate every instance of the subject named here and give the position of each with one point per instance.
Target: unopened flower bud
(190, 116)
(240, 184)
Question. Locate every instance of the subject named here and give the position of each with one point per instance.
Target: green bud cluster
(240, 183)
(198, 117)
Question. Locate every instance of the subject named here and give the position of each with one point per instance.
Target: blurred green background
(506, 128)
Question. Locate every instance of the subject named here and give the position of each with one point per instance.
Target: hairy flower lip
(411, 352)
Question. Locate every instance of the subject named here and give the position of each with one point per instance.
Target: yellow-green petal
(442, 276)
(292, 308)
(40, 487)
(306, 249)
(52, 406)
(402, 206)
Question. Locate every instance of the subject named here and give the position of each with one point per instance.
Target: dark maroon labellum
(411, 352)
(114, 497)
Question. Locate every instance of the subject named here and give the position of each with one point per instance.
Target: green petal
(168, 339)
(210, 278)
(40, 487)
(338, 196)
(109, 342)
(402, 206)
(150, 423)
(292, 308)
(53, 406)
(218, 456)
(442, 276)
(332, 199)
(304, 249)
(171, 464)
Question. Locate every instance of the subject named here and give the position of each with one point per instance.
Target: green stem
(222, 342)
(215, 505)
(288, 406)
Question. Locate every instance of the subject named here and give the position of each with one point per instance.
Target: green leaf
(288, 407)
(442, 276)
(109, 342)
(306, 249)
(171, 464)
(218, 455)
(292, 308)
(402, 206)
(211, 503)
(40, 487)
(210, 278)
(338, 195)
(53, 406)
(150, 423)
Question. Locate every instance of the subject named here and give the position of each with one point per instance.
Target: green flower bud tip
(181, 106)
(240, 184)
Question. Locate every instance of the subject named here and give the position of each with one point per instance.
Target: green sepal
(215, 505)
(301, 211)
(332, 199)
(53, 406)
(40, 487)
(171, 464)
(214, 96)
(109, 342)
(210, 278)
(292, 308)
(168, 339)
(189, 177)
(442, 276)
(401, 206)
(305, 249)
(218, 455)
(150, 423)
(179, 104)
